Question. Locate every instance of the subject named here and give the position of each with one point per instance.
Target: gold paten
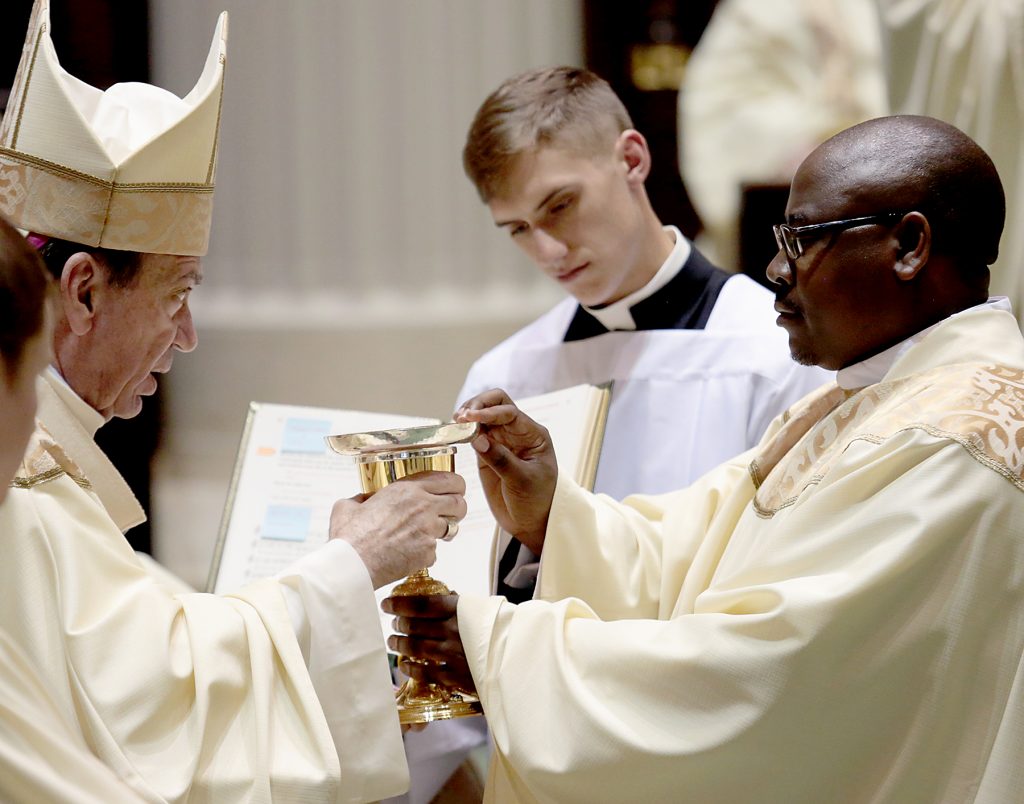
(382, 458)
(403, 438)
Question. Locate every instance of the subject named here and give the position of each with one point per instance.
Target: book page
(462, 563)
(287, 480)
(575, 421)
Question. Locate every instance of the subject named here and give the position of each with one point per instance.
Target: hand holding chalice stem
(381, 459)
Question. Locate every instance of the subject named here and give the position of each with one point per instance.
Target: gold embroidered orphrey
(979, 407)
(45, 460)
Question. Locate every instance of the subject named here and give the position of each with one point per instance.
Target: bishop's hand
(395, 530)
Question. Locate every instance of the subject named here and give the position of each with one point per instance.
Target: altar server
(698, 365)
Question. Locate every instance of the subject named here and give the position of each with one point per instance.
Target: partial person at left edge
(42, 756)
(278, 690)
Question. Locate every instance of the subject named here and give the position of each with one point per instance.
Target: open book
(286, 481)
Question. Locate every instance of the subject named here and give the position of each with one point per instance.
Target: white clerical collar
(874, 368)
(617, 315)
(89, 418)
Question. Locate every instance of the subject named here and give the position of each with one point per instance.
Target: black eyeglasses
(789, 237)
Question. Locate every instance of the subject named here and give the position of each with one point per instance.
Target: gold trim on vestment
(981, 408)
(43, 477)
(45, 460)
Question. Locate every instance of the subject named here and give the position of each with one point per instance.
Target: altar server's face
(130, 334)
(580, 217)
(18, 401)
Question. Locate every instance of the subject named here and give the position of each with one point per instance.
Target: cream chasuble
(42, 758)
(836, 615)
(186, 697)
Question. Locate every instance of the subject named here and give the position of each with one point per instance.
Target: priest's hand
(517, 465)
(428, 628)
(395, 531)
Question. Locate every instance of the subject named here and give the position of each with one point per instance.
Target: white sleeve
(333, 610)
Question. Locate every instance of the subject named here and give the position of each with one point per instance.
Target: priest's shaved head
(924, 163)
(890, 227)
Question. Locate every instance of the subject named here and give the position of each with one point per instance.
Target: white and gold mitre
(129, 168)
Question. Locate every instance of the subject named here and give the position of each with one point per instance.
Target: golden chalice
(382, 458)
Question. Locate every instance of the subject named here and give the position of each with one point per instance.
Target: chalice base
(420, 702)
(424, 703)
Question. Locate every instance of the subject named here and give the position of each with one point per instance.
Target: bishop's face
(578, 218)
(134, 334)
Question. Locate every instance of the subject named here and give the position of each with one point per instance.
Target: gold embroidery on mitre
(152, 199)
(980, 408)
(166, 218)
(45, 460)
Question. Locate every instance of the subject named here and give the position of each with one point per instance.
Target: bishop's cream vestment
(190, 696)
(836, 615)
(42, 757)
